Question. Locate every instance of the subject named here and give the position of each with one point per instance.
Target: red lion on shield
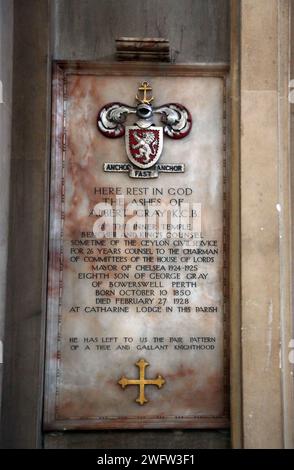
(146, 145)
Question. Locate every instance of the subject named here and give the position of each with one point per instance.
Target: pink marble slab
(83, 361)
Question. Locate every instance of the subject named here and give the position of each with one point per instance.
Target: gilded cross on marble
(142, 381)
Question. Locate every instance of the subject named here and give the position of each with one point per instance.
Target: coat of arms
(144, 146)
(144, 140)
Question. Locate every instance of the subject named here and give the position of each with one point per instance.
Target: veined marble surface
(82, 388)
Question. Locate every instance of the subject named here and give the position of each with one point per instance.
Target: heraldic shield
(144, 146)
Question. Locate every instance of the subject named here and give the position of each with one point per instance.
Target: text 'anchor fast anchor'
(142, 381)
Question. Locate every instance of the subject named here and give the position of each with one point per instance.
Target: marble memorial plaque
(136, 316)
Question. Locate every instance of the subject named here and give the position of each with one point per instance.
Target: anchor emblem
(145, 87)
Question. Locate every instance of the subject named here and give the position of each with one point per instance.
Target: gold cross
(145, 87)
(142, 381)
